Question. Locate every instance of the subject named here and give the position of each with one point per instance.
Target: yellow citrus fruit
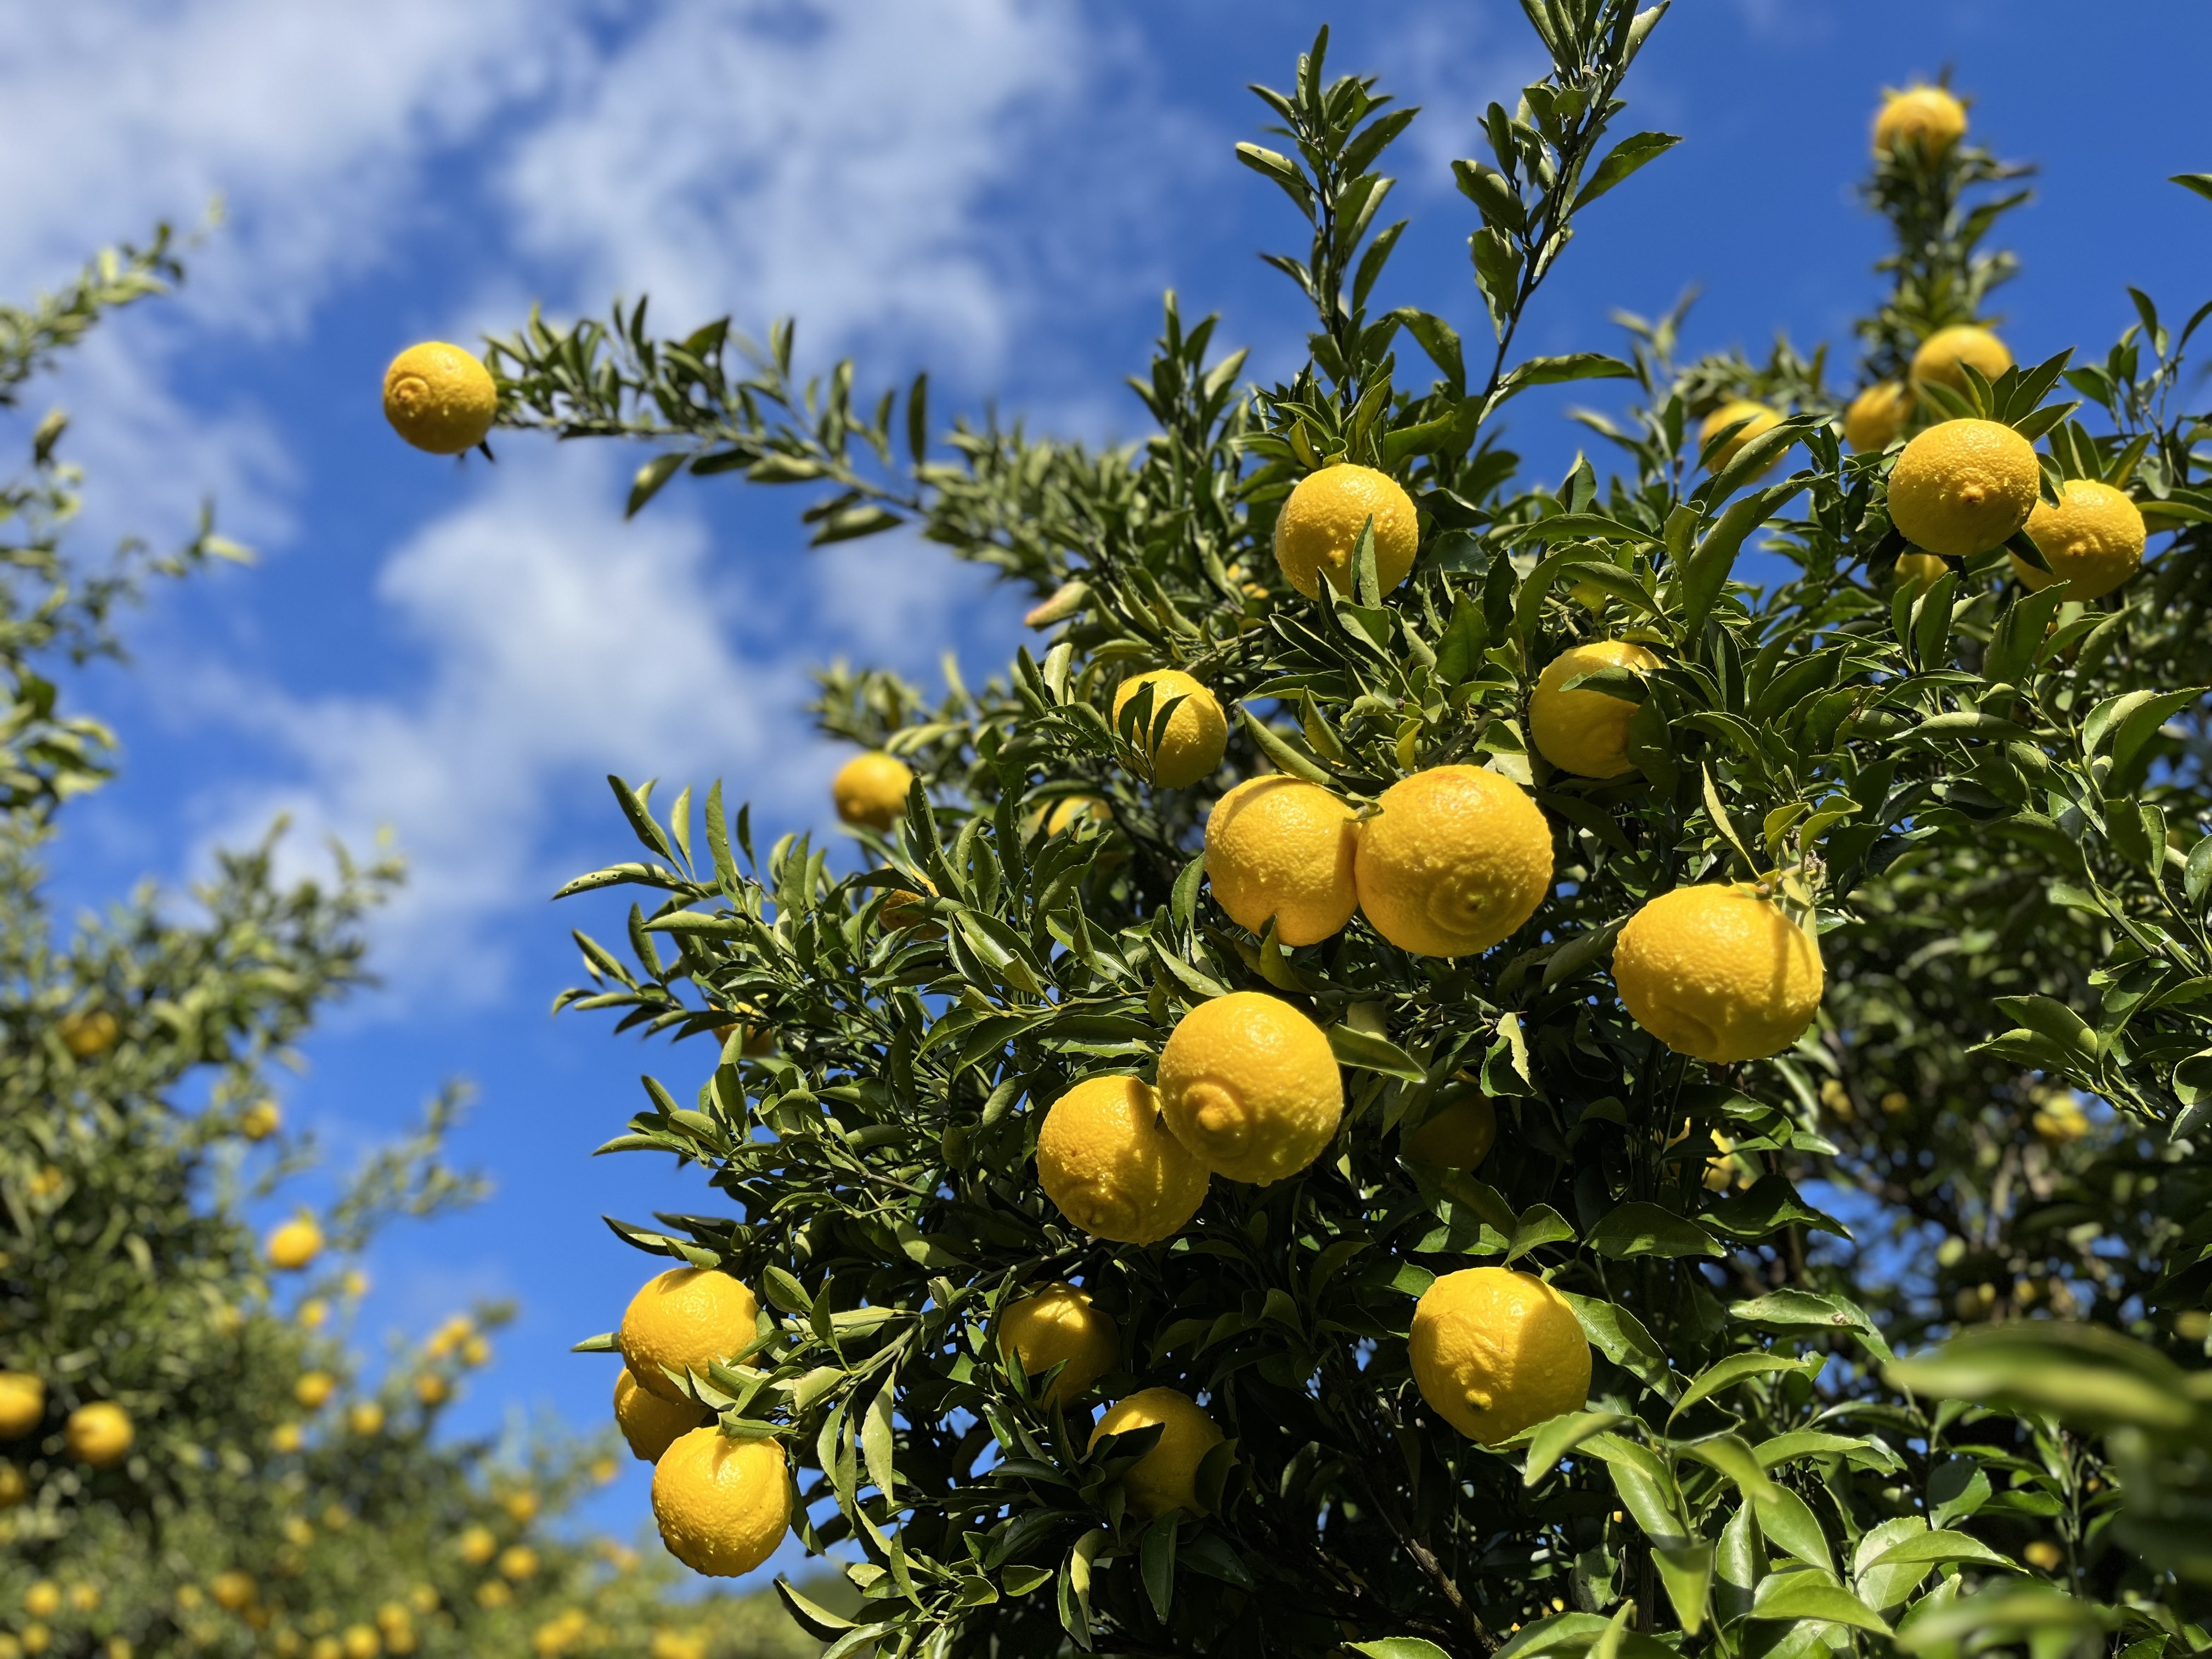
(22, 1404)
(1457, 1138)
(754, 1042)
(90, 1033)
(2093, 539)
(1582, 731)
(100, 1434)
(650, 1423)
(360, 1642)
(1108, 1164)
(1456, 857)
(871, 789)
(231, 1590)
(1919, 570)
(475, 1352)
(1963, 487)
(1061, 1326)
(1250, 1086)
(1494, 1351)
(1757, 419)
(674, 1644)
(1166, 1477)
(433, 1389)
(287, 1437)
(1718, 972)
(1876, 416)
(439, 397)
(84, 1598)
(365, 1417)
(518, 1562)
(313, 1389)
(261, 1120)
(1928, 118)
(682, 1320)
(902, 909)
(14, 1487)
(1069, 813)
(1319, 529)
(43, 1600)
(723, 1504)
(477, 1546)
(1277, 846)
(2059, 1118)
(1196, 732)
(295, 1244)
(1943, 352)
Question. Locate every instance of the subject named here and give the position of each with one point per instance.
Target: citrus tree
(1404, 1076)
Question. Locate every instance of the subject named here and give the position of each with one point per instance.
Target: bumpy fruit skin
(1319, 528)
(1456, 859)
(1058, 1326)
(1251, 1087)
(1757, 419)
(438, 397)
(1494, 1351)
(295, 1244)
(1876, 416)
(1166, 1477)
(1941, 352)
(22, 1404)
(2093, 540)
(650, 1423)
(1278, 846)
(1582, 731)
(1109, 1166)
(100, 1434)
(1718, 972)
(1963, 486)
(1919, 570)
(723, 1505)
(1458, 1138)
(871, 789)
(682, 1320)
(1930, 118)
(1197, 733)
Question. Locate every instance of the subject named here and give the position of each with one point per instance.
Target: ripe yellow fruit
(1718, 972)
(1919, 570)
(22, 1404)
(1943, 352)
(285, 1437)
(361, 1642)
(723, 1504)
(1060, 1325)
(88, 1034)
(1456, 859)
(475, 1352)
(365, 1417)
(1928, 118)
(431, 1389)
(1277, 846)
(492, 1593)
(439, 397)
(1963, 486)
(1494, 1351)
(518, 1562)
(84, 1598)
(676, 1644)
(313, 1389)
(1108, 1164)
(2045, 1554)
(295, 1244)
(261, 1120)
(682, 1320)
(1166, 1477)
(1876, 415)
(1196, 733)
(14, 1487)
(231, 1591)
(43, 1600)
(1582, 731)
(313, 1314)
(871, 789)
(1250, 1086)
(755, 1042)
(650, 1423)
(902, 909)
(1069, 813)
(477, 1546)
(2093, 540)
(100, 1434)
(1757, 419)
(1319, 528)
(1458, 1138)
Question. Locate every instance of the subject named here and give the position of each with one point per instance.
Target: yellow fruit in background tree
(521, 1505)
(14, 1486)
(1757, 419)
(365, 1417)
(295, 1244)
(431, 1388)
(231, 1591)
(674, 1644)
(1457, 1138)
(1069, 813)
(1110, 1166)
(1582, 731)
(755, 1042)
(1456, 857)
(1166, 1477)
(43, 1600)
(723, 1505)
(1876, 416)
(682, 1320)
(650, 1423)
(261, 1120)
(439, 397)
(518, 1562)
(285, 1437)
(1918, 571)
(1319, 527)
(84, 1598)
(1963, 487)
(22, 1404)
(475, 1351)
(871, 789)
(1494, 1351)
(361, 1642)
(2093, 540)
(477, 1546)
(902, 909)
(1718, 972)
(1250, 1086)
(1277, 846)
(1928, 118)
(1060, 1325)
(1196, 733)
(313, 1314)
(313, 1389)
(88, 1034)
(100, 1434)
(1941, 353)
(495, 1593)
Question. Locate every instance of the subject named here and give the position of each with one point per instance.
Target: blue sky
(994, 190)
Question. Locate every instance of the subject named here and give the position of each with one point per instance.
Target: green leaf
(650, 477)
(1804, 1310)
(1554, 1439)
(1640, 1228)
(1736, 1368)
(1767, 1206)
(1363, 1049)
(1801, 1594)
(1157, 1556)
(2199, 182)
(2084, 1375)
(1399, 1647)
(1279, 750)
(1620, 1336)
(1624, 159)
